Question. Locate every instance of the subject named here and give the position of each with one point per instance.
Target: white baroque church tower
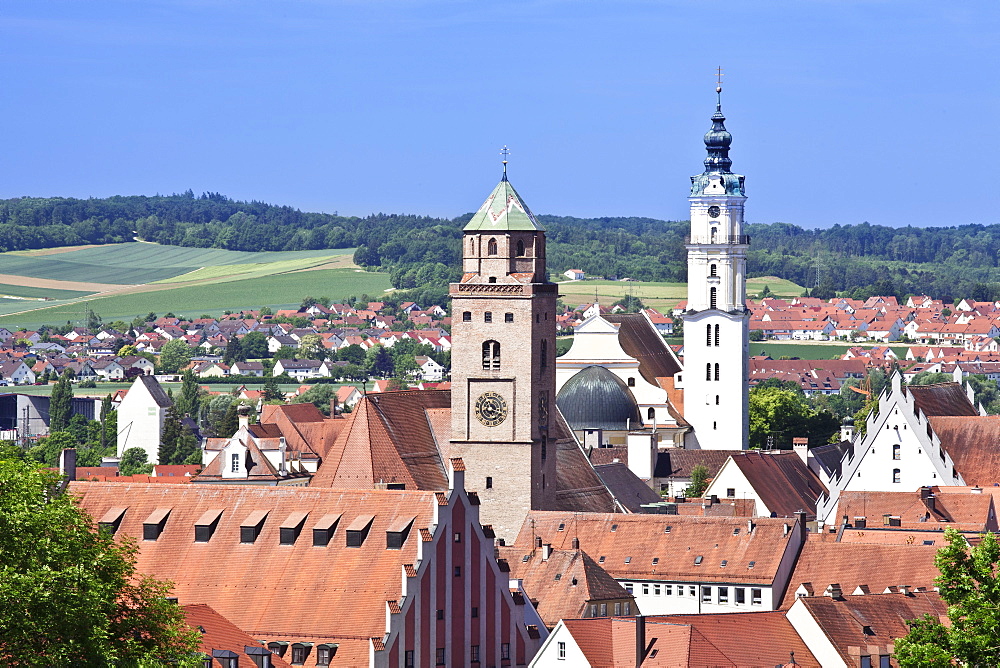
(716, 321)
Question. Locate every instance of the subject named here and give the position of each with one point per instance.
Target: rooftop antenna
(505, 152)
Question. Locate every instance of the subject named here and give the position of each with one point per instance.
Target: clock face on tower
(713, 211)
(491, 409)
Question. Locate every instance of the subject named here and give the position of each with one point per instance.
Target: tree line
(424, 251)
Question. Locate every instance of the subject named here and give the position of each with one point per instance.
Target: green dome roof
(503, 210)
(595, 398)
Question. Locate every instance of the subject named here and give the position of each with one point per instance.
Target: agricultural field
(121, 281)
(104, 389)
(811, 351)
(661, 296)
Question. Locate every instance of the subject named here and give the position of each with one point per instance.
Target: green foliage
(234, 352)
(379, 362)
(254, 345)
(785, 414)
(319, 395)
(50, 447)
(61, 403)
(699, 482)
(353, 353)
(134, 461)
(69, 594)
(311, 347)
(630, 303)
(271, 391)
(969, 584)
(173, 355)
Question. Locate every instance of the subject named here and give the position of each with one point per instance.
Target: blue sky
(841, 111)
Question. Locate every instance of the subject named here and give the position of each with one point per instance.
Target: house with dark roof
(779, 482)
(676, 564)
(140, 417)
(385, 578)
(918, 436)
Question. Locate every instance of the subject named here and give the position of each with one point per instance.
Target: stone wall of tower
(511, 464)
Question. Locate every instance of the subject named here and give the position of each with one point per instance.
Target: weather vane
(505, 152)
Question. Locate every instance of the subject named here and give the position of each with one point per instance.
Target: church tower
(716, 322)
(503, 362)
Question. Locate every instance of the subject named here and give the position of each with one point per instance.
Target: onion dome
(717, 179)
(595, 398)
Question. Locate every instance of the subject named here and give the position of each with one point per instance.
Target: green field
(807, 351)
(281, 290)
(103, 389)
(661, 296)
(32, 292)
(137, 263)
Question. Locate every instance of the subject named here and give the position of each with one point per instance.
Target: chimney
(538, 541)
(334, 407)
(576, 543)
(925, 492)
(905, 590)
(801, 448)
(243, 412)
(282, 453)
(546, 551)
(640, 639)
(67, 463)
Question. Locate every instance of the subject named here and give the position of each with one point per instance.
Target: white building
(140, 417)
(574, 274)
(919, 436)
(716, 322)
(430, 370)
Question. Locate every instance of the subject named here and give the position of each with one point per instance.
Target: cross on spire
(505, 152)
(718, 84)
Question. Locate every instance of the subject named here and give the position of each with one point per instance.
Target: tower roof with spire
(717, 174)
(503, 210)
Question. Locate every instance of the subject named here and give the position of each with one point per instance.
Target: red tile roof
(971, 442)
(218, 633)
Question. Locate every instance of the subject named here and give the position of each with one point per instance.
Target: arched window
(708, 335)
(651, 413)
(715, 231)
(543, 355)
(717, 400)
(713, 270)
(472, 245)
(520, 248)
(708, 371)
(713, 298)
(717, 335)
(491, 355)
(717, 371)
(491, 247)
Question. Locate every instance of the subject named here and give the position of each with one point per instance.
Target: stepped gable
(639, 339)
(972, 444)
(388, 439)
(644, 537)
(852, 622)
(774, 639)
(218, 633)
(626, 486)
(851, 565)
(782, 480)
(562, 585)
(276, 590)
(941, 399)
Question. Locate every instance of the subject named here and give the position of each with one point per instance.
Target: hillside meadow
(661, 296)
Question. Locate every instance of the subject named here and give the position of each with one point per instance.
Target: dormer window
(235, 466)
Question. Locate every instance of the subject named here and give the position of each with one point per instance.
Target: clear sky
(841, 111)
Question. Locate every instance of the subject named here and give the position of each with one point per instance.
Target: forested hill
(420, 250)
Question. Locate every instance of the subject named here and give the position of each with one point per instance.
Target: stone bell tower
(503, 362)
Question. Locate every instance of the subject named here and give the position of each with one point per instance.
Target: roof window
(396, 534)
(601, 560)
(226, 658)
(751, 564)
(112, 520)
(558, 576)
(261, 656)
(667, 529)
(628, 560)
(525, 558)
(325, 653)
(614, 527)
(562, 526)
(251, 527)
(300, 652)
(358, 530)
(656, 560)
(206, 525)
(153, 526)
(324, 529)
(736, 531)
(290, 529)
(698, 559)
(725, 562)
